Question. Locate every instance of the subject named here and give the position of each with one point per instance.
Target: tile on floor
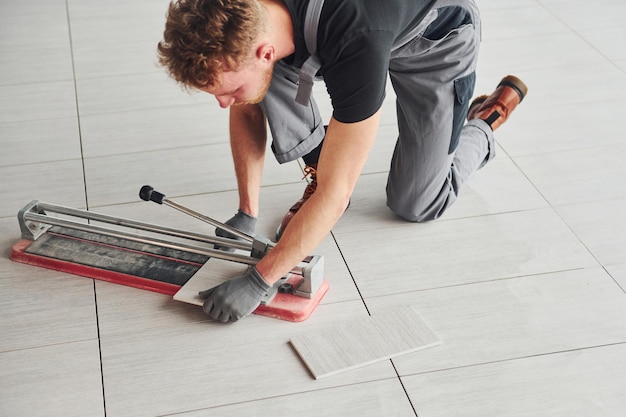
(209, 364)
(410, 257)
(609, 41)
(51, 182)
(577, 14)
(133, 92)
(174, 172)
(575, 127)
(153, 129)
(55, 380)
(35, 141)
(582, 382)
(513, 318)
(45, 307)
(618, 272)
(578, 175)
(499, 187)
(369, 399)
(37, 101)
(600, 227)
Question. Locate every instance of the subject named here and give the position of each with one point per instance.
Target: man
(248, 54)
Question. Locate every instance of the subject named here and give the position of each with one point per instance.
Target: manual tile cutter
(152, 260)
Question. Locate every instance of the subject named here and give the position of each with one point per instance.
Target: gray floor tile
(57, 380)
(373, 399)
(600, 226)
(584, 382)
(412, 257)
(513, 318)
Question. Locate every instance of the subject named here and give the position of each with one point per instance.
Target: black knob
(148, 193)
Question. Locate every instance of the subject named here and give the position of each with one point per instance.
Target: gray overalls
(436, 151)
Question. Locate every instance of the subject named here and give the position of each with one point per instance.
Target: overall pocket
(463, 91)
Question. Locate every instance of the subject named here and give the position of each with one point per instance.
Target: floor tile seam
(481, 282)
(81, 78)
(623, 288)
(153, 151)
(444, 219)
(132, 109)
(39, 163)
(516, 359)
(580, 34)
(46, 345)
(406, 392)
(345, 262)
(572, 230)
(554, 11)
(278, 397)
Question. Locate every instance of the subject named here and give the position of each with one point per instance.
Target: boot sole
(516, 84)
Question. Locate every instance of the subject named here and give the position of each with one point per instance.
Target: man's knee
(418, 213)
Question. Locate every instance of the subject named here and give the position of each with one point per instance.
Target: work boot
(496, 108)
(311, 172)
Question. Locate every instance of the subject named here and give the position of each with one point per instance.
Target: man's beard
(266, 80)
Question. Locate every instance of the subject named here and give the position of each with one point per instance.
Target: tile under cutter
(156, 258)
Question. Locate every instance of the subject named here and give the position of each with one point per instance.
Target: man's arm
(346, 148)
(248, 137)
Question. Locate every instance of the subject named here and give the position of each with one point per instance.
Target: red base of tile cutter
(135, 263)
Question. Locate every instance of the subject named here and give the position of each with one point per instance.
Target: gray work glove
(236, 298)
(241, 221)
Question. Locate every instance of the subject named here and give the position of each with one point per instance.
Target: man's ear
(266, 52)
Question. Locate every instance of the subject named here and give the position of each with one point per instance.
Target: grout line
(82, 157)
(403, 387)
(518, 358)
(80, 135)
(351, 275)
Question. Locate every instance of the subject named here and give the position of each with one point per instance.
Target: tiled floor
(523, 279)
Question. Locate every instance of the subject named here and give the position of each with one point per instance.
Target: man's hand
(241, 221)
(236, 298)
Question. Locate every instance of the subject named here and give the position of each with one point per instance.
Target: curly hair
(205, 37)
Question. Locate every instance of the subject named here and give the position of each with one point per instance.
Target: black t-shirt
(354, 43)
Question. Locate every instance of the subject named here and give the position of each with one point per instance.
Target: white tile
(600, 227)
(19, 66)
(39, 141)
(535, 130)
(153, 129)
(391, 260)
(513, 22)
(176, 369)
(497, 188)
(57, 380)
(582, 382)
(33, 26)
(139, 310)
(133, 92)
(618, 272)
(106, 23)
(51, 100)
(581, 15)
(579, 175)
(124, 58)
(36, 306)
(553, 86)
(533, 51)
(51, 182)
(378, 398)
(352, 344)
(513, 318)
(182, 171)
(610, 41)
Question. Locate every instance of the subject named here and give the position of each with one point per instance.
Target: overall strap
(312, 64)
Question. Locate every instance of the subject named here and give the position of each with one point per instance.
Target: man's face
(247, 85)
